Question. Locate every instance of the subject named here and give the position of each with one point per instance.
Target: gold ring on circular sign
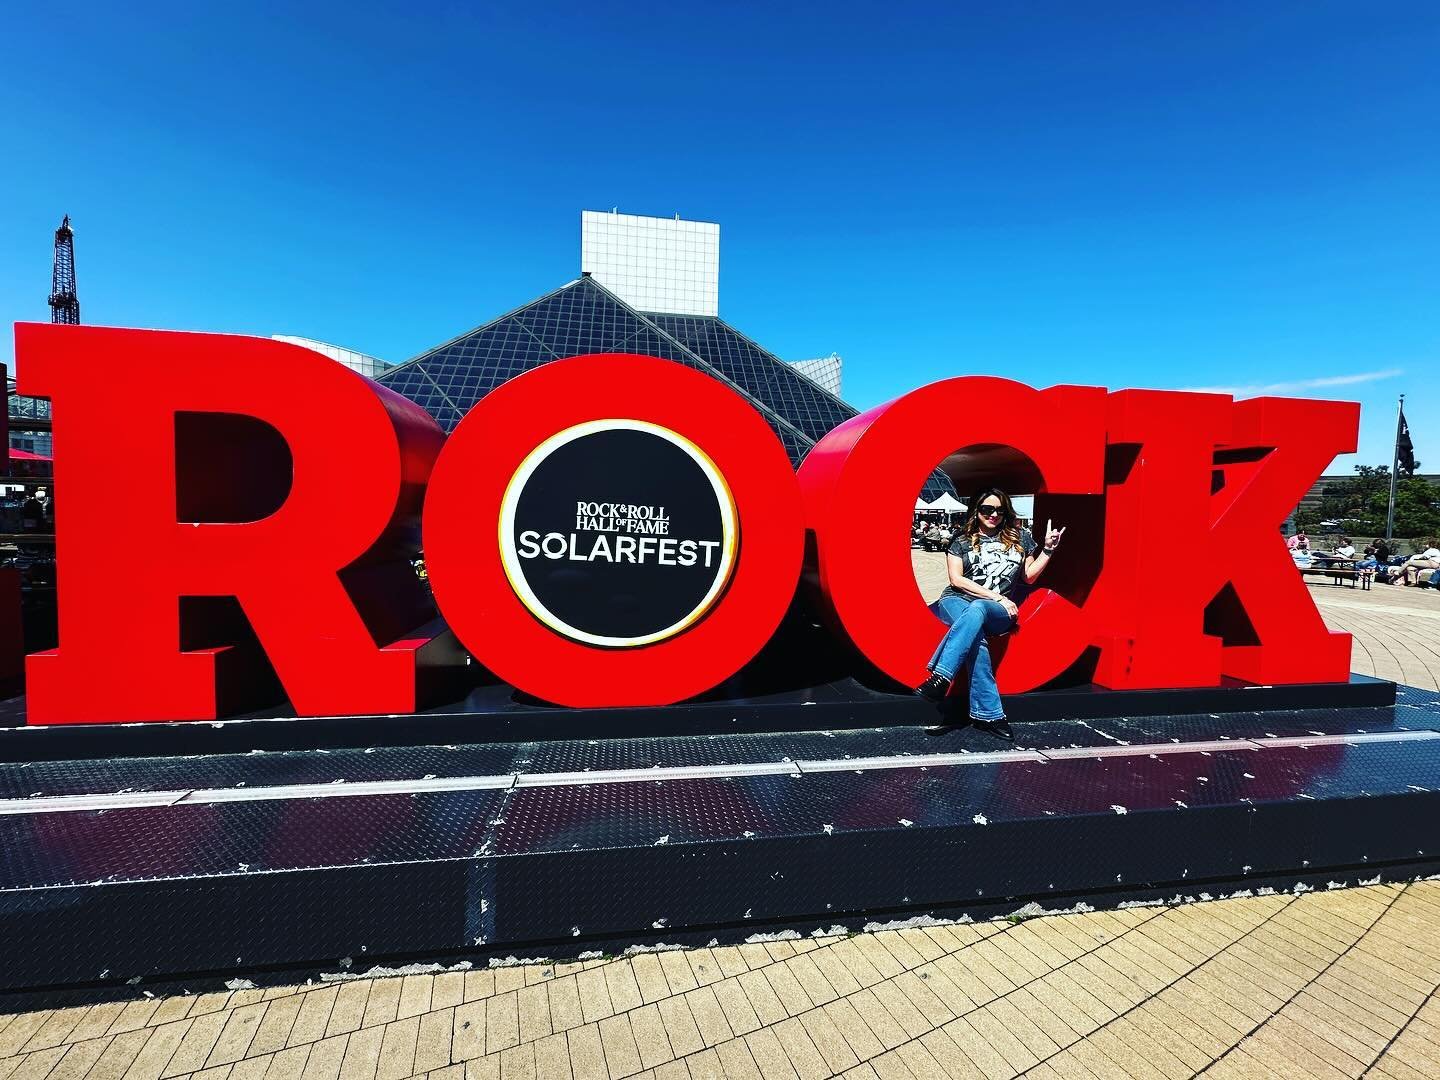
(510, 559)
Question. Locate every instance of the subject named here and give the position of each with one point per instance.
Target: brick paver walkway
(1319, 984)
(1397, 630)
(1324, 984)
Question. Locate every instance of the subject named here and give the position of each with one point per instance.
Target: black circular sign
(618, 533)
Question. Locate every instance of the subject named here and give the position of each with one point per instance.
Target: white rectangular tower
(654, 264)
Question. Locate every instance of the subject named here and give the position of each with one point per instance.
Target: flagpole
(1394, 472)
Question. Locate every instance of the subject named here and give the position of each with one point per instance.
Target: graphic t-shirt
(992, 566)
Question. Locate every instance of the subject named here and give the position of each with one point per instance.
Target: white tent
(948, 503)
(921, 504)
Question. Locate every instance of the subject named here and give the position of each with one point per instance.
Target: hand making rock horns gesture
(1053, 535)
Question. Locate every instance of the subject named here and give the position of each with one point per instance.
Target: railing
(29, 408)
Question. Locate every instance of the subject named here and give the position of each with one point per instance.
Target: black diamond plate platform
(497, 714)
(155, 867)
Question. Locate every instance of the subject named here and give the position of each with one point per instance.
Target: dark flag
(1404, 448)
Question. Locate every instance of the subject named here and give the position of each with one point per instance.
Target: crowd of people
(1378, 561)
(933, 535)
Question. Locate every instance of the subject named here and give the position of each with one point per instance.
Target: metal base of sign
(496, 713)
(280, 864)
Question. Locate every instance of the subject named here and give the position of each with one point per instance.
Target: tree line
(1359, 503)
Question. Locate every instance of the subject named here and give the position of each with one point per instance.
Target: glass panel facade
(762, 374)
(369, 366)
(24, 408)
(825, 371)
(584, 317)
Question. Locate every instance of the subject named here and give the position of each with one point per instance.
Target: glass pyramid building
(585, 317)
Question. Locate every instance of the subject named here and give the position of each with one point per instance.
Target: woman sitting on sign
(990, 563)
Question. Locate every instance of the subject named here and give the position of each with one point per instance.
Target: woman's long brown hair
(1009, 533)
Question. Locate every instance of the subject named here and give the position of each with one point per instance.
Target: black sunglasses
(986, 511)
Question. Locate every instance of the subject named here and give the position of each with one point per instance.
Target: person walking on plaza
(990, 563)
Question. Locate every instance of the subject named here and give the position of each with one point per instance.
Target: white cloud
(1317, 383)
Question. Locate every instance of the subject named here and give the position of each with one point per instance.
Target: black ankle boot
(934, 688)
(999, 728)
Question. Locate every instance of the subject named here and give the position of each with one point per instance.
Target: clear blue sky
(1219, 195)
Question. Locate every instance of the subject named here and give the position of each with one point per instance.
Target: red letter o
(492, 443)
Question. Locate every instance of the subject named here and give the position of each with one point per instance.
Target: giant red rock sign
(620, 530)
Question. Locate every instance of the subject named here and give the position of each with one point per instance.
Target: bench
(1339, 574)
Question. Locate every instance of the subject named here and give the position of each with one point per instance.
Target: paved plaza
(1325, 984)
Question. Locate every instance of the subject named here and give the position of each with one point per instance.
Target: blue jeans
(964, 645)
